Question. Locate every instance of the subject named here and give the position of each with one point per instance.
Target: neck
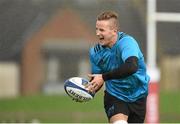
(114, 39)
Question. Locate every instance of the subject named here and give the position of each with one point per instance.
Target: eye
(101, 29)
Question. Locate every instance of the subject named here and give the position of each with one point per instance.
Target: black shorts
(134, 110)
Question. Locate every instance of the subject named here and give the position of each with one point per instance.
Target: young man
(118, 62)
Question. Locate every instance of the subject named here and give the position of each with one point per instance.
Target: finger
(89, 85)
(90, 88)
(91, 75)
(96, 87)
(93, 88)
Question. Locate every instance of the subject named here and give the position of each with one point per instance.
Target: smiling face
(106, 32)
(107, 28)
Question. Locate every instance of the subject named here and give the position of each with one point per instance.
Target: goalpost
(153, 17)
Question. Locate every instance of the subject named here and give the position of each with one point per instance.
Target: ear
(115, 31)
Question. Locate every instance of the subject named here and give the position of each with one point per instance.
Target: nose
(97, 32)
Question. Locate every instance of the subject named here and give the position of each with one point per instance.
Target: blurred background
(44, 42)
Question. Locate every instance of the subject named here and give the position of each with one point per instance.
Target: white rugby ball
(75, 88)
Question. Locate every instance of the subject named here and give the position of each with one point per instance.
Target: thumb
(90, 75)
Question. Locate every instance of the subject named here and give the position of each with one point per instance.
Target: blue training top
(104, 59)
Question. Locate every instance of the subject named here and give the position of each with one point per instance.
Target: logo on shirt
(101, 62)
(110, 111)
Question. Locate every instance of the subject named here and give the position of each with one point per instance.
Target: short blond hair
(108, 15)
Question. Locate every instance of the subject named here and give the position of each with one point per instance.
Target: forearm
(128, 68)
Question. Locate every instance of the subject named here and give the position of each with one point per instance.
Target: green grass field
(169, 107)
(51, 109)
(63, 109)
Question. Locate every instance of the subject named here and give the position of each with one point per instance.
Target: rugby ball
(75, 88)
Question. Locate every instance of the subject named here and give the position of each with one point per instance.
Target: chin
(101, 43)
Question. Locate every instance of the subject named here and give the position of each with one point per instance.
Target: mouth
(101, 38)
